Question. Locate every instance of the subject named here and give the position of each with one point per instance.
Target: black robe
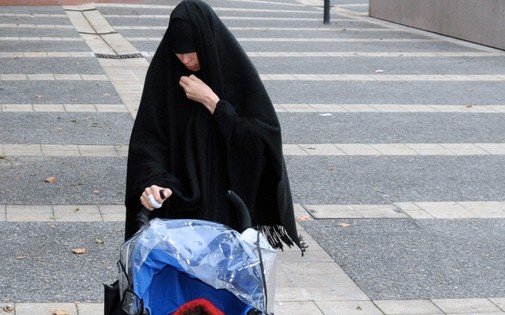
(179, 144)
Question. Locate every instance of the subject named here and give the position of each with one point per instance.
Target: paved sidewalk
(387, 232)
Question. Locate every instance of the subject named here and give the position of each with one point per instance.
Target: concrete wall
(479, 21)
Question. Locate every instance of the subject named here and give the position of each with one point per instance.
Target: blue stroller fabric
(170, 288)
(172, 262)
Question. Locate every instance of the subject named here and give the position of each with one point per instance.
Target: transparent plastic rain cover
(211, 252)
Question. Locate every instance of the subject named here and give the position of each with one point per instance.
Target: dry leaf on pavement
(50, 180)
(79, 250)
(304, 218)
(60, 312)
(99, 241)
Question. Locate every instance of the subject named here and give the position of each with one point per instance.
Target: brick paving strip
(323, 109)
(396, 210)
(317, 149)
(288, 77)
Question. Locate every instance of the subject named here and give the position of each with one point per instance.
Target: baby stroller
(185, 266)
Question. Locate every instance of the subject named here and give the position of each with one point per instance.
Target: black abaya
(179, 144)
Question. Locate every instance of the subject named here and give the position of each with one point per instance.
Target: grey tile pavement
(342, 268)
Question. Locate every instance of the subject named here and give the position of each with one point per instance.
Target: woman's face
(190, 61)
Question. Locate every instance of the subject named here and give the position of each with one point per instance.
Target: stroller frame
(130, 303)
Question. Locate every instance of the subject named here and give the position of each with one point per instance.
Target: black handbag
(112, 300)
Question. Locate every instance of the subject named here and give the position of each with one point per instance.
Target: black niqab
(179, 144)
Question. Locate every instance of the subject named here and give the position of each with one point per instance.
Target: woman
(206, 125)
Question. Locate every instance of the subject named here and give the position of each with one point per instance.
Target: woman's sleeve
(249, 133)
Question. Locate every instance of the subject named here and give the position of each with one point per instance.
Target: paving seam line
(318, 149)
(417, 210)
(322, 109)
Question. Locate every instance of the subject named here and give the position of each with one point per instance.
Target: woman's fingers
(154, 196)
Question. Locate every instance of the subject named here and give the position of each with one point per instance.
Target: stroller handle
(243, 213)
(143, 215)
(244, 217)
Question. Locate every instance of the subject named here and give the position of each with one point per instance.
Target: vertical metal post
(326, 18)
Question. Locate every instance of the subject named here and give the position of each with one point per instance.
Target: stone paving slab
(69, 108)
(47, 270)
(327, 149)
(79, 180)
(417, 259)
(414, 210)
(64, 128)
(294, 297)
(399, 127)
(69, 65)
(370, 92)
(13, 45)
(29, 19)
(329, 109)
(474, 178)
(32, 30)
(364, 65)
(279, 32)
(276, 44)
(353, 180)
(407, 46)
(58, 92)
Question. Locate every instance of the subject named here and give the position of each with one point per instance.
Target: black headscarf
(179, 144)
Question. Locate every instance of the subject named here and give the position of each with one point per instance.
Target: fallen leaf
(344, 225)
(79, 250)
(468, 106)
(20, 257)
(77, 209)
(304, 218)
(99, 241)
(60, 312)
(8, 308)
(50, 180)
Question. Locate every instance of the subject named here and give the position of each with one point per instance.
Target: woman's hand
(156, 199)
(200, 92)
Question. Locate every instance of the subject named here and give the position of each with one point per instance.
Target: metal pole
(326, 18)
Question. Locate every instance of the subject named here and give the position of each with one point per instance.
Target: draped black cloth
(179, 144)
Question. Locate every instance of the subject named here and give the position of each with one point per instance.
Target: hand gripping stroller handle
(243, 213)
(143, 214)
